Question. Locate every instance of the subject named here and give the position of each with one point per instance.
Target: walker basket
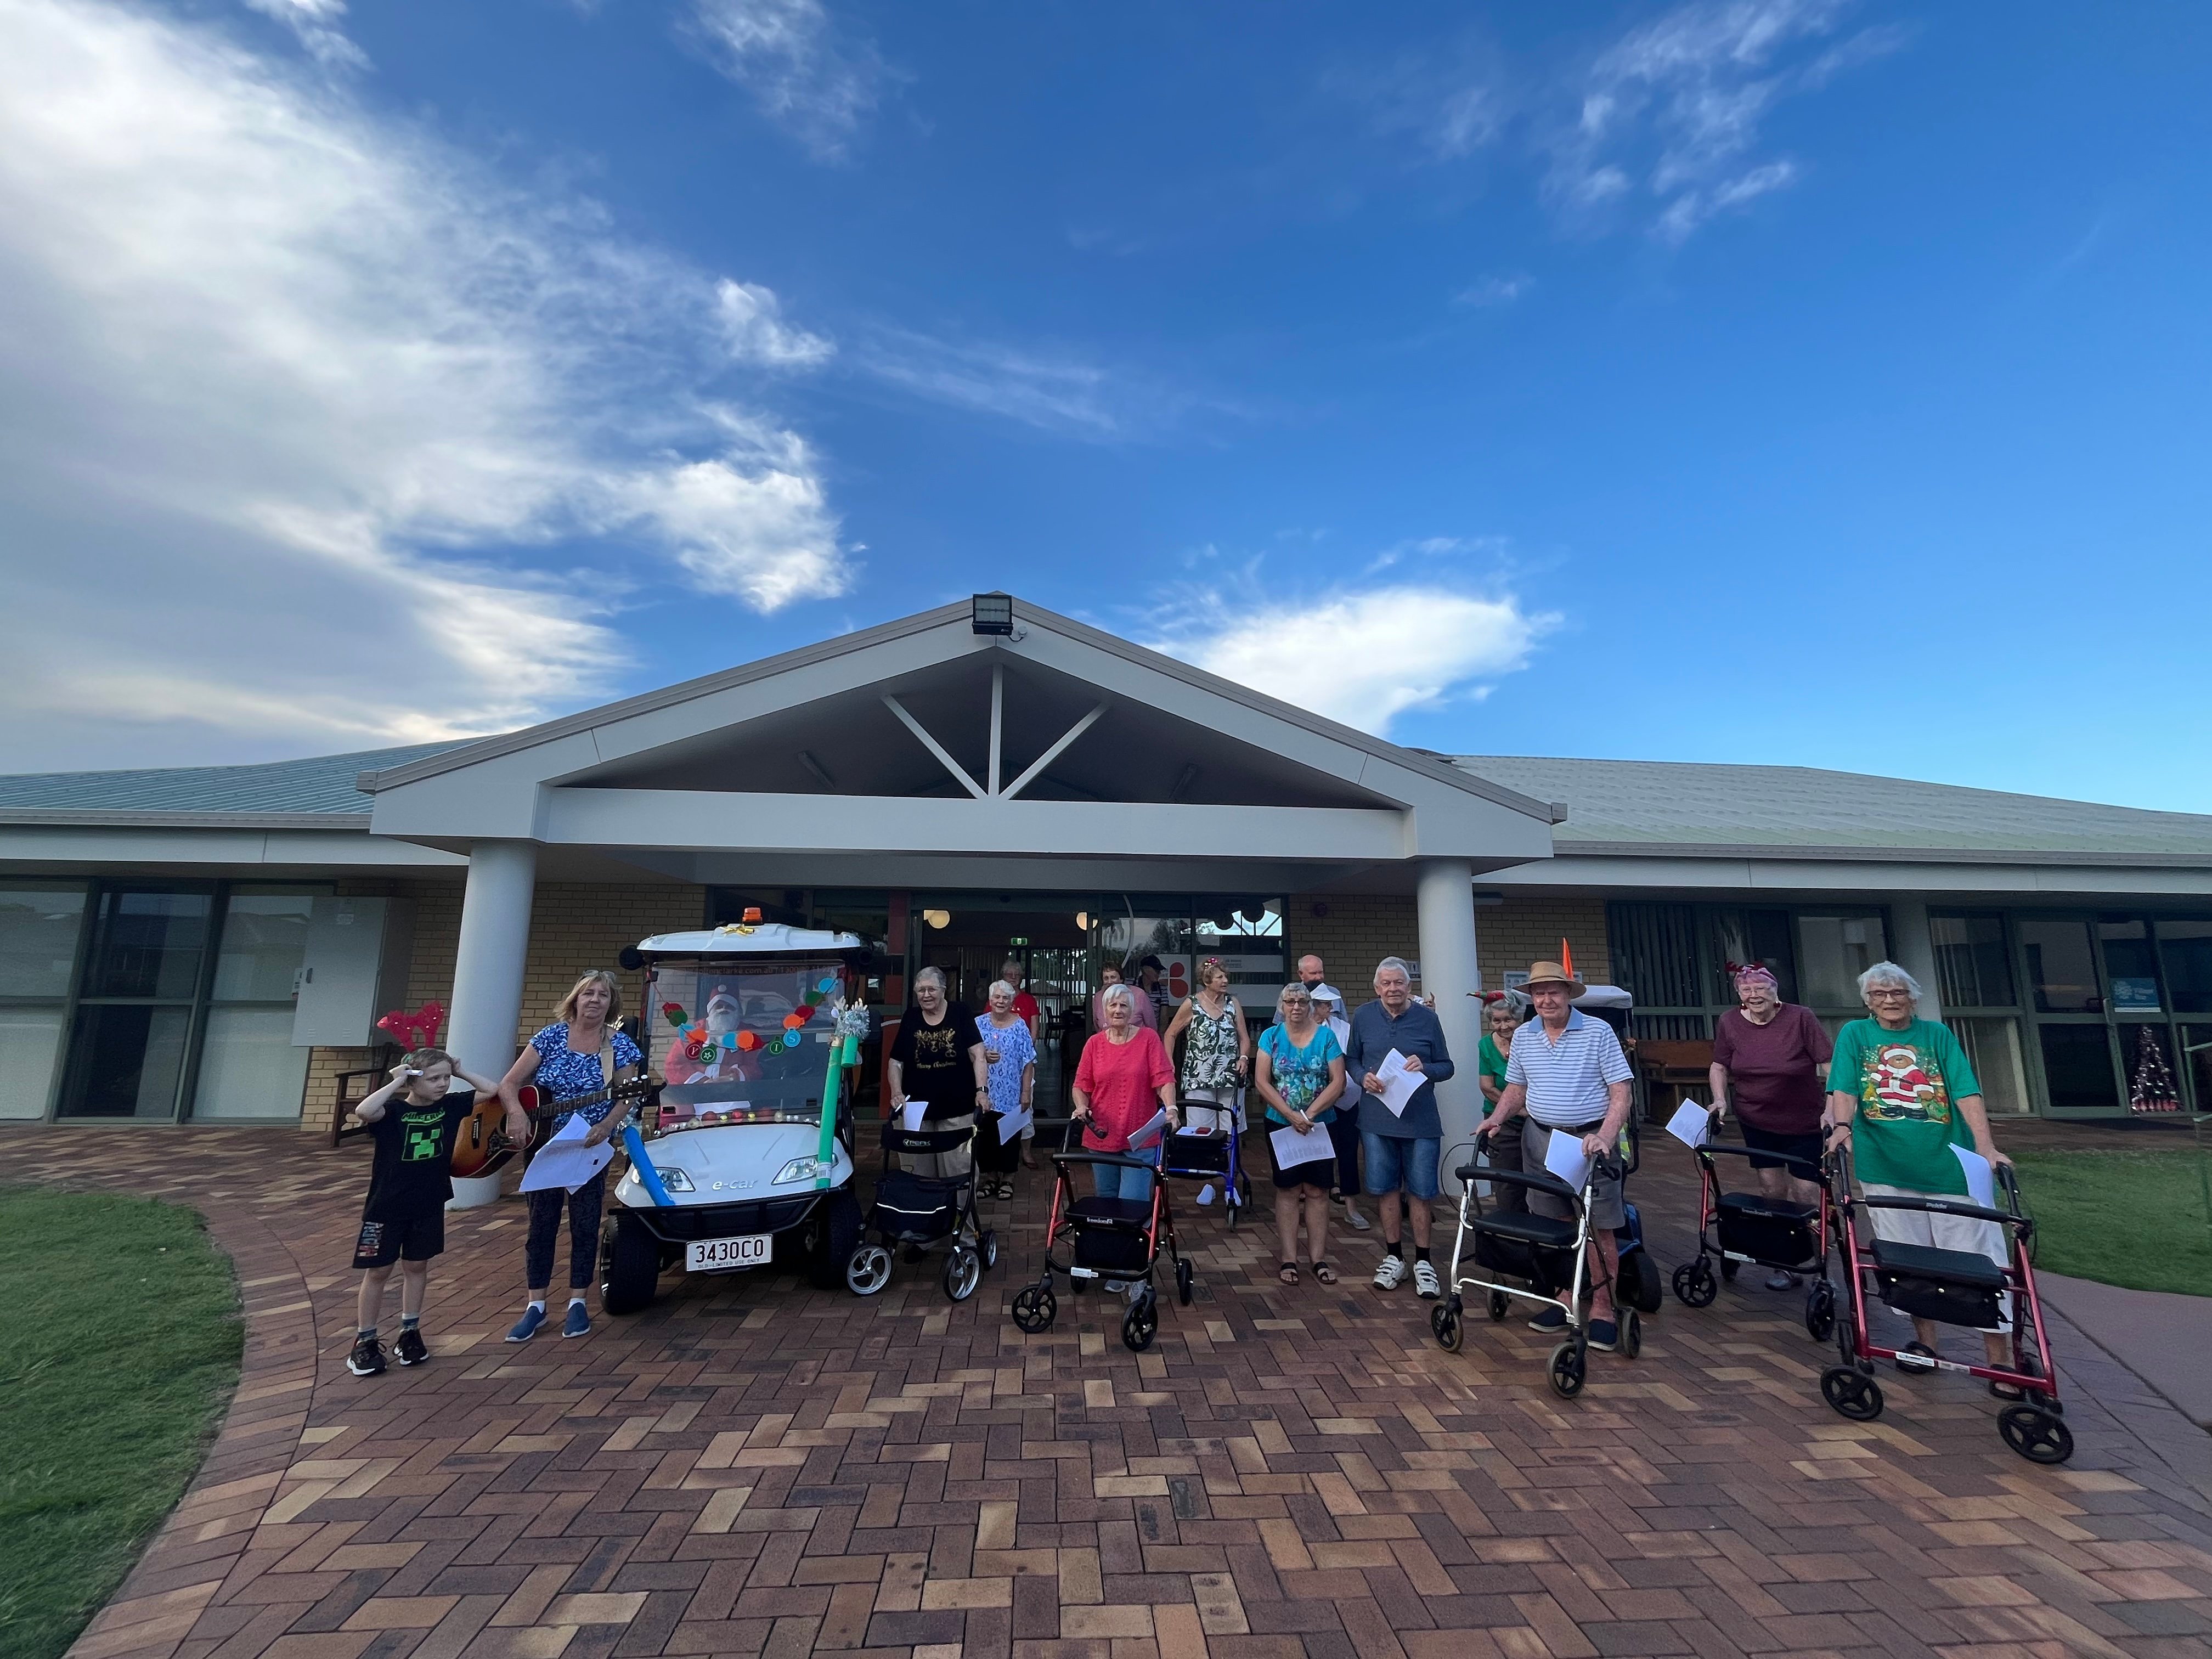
(1205, 1155)
(1952, 1288)
(1770, 1231)
(1537, 1247)
(1109, 1234)
(912, 1208)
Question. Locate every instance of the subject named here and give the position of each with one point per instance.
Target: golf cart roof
(751, 938)
(1605, 996)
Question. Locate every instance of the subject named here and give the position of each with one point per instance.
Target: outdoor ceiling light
(1083, 919)
(937, 918)
(992, 613)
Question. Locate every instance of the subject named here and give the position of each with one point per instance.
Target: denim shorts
(1392, 1163)
(1114, 1181)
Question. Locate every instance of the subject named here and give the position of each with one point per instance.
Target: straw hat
(1550, 973)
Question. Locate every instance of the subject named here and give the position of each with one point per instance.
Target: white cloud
(817, 86)
(1365, 658)
(1496, 290)
(753, 325)
(1044, 387)
(310, 431)
(316, 22)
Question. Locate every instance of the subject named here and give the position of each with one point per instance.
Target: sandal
(1323, 1273)
(1290, 1274)
(2007, 1391)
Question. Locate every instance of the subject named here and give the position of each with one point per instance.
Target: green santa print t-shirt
(1908, 1084)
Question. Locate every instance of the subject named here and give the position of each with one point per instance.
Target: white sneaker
(1353, 1215)
(1206, 1194)
(1390, 1273)
(1424, 1280)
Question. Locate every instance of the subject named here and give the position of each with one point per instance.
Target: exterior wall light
(992, 613)
(938, 918)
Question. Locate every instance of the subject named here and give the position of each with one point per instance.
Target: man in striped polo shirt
(1567, 1073)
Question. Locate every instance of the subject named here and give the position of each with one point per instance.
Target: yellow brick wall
(1359, 930)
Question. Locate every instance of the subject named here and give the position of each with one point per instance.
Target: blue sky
(1777, 380)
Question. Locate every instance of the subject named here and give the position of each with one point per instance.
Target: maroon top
(1775, 1070)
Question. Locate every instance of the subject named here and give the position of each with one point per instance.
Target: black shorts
(413, 1237)
(1321, 1174)
(1806, 1147)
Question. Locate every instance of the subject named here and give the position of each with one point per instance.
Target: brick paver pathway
(756, 1468)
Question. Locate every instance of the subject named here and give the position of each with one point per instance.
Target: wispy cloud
(817, 82)
(1495, 290)
(316, 24)
(1051, 388)
(322, 433)
(1362, 657)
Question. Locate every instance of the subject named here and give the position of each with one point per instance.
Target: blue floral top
(564, 1074)
(1300, 1074)
(1015, 1050)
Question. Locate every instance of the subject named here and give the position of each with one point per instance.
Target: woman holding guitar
(580, 1057)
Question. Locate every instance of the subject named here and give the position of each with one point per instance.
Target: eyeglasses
(1288, 1000)
(1889, 994)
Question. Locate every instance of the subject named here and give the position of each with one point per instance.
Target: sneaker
(1425, 1283)
(1604, 1335)
(1206, 1194)
(527, 1326)
(366, 1359)
(1359, 1222)
(1114, 1287)
(578, 1323)
(1551, 1319)
(409, 1349)
(1390, 1273)
(1783, 1280)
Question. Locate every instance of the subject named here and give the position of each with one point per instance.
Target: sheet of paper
(565, 1162)
(1292, 1148)
(1692, 1124)
(1981, 1179)
(1565, 1157)
(1011, 1124)
(910, 1115)
(1151, 1132)
(1399, 1085)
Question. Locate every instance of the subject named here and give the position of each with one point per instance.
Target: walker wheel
(1445, 1323)
(963, 1271)
(1184, 1279)
(1035, 1307)
(1235, 1197)
(1141, 1323)
(1852, 1393)
(1498, 1305)
(869, 1270)
(1632, 1333)
(990, 1242)
(2039, 1436)
(1567, 1369)
(1694, 1284)
(1820, 1310)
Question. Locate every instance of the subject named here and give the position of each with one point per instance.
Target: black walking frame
(1738, 1228)
(914, 1212)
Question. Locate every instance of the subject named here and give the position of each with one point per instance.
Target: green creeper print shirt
(1908, 1084)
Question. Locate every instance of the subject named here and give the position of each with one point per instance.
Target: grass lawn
(122, 1347)
(2133, 1218)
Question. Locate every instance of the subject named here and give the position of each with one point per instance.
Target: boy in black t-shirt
(413, 1120)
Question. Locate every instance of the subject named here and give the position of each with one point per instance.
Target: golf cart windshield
(744, 1041)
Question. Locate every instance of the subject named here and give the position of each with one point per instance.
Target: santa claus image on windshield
(1902, 1087)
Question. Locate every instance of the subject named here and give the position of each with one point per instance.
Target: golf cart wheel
(1448, 1327)
(1632, 1333)
(1851, 1392)
(989, 1243)
(633, 1268)
(837, 1236)
(867, 1270)
(2039, 1436)
(1035, 1308)
(1728, 1269)
(1185, 1278)
(1498, 1305)
(1820, 1310)
(963, 1271)
(1694, 1284)
(1568, 1367)
(1142, 1322)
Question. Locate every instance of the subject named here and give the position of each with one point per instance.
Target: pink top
(1123, 1082)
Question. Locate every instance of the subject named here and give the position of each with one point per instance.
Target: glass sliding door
(141, 980)
(40, 926)
(248, 1067)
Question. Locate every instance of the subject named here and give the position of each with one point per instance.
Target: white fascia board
(494, 800)
(1623, 876)
(155, 849)
(924, 871)
(704, 821)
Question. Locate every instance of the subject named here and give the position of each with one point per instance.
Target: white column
(1912, 948)
(1444, 904)
(494, 944)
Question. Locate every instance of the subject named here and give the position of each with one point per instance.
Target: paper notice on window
(1692, 1124)
(1565, 1157)
(1399, 1085)
(565, 1162)
(1151, 1132)
(1011, 1124)
(1293, 1148)
(1981, 1179)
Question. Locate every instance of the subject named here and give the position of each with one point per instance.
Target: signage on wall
(2135, 996)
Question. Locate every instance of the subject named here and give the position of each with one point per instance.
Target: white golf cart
(746, 1159)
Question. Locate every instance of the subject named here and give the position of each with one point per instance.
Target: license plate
(707, 1255)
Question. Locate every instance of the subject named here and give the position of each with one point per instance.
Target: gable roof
(316, 791)
(1692, 809)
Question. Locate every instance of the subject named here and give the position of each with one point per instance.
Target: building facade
(216, 944)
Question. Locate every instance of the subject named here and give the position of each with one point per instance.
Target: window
(41, 923)
(2062, 968)
(2130, 966)
(1972, 969)
(1992, 1049)
(2077, 1066)
(1832, 951)
(1742, 938)
(2187, 948)
(248, 1067)
(1654, 960)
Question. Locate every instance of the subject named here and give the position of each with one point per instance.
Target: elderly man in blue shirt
(1567, 1073)
(1401, 1149)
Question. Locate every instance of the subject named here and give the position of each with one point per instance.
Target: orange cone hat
(1567, 957)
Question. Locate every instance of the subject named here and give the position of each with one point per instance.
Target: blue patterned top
(1016, 1051)
(564, 1074)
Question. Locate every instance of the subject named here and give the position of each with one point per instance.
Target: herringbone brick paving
(754, 1468)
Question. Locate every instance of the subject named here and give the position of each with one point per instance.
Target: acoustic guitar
(481, 1146)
